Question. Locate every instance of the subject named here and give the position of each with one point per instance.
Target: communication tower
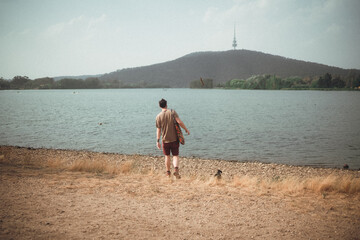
(234, 41)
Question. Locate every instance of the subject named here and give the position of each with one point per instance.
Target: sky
(49, 38)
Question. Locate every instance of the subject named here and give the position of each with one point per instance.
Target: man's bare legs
(167, 163)
(176, 161)
(175, 164)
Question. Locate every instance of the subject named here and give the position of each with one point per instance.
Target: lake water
(316, 128)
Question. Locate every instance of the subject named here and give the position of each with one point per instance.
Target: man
(165, 127)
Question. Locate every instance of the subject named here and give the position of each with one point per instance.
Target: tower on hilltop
(234, 41)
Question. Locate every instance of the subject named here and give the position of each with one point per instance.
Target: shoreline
(66, 194)
(189, 166)
(320, 166)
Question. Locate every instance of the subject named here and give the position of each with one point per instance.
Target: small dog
(218, 174)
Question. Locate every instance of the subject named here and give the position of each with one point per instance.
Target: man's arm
(182, 125)
(158, 134)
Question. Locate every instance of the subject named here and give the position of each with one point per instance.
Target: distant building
(234, 41)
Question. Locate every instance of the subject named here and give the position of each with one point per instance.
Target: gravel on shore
(202, 168)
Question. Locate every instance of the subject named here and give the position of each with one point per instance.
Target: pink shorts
(172, 147)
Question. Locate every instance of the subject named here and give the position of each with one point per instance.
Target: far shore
(66, 194)
(223, 88)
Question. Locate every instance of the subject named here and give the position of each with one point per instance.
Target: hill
(219, 66)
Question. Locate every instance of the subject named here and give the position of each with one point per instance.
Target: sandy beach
(64, 194)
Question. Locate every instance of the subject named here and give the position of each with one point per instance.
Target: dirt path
(42, 202)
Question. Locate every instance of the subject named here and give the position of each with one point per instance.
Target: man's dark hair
(162, 103)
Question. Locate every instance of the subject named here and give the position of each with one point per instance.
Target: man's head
(163, 103)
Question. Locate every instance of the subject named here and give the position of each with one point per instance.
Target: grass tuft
(244, 181)
(87, 166)
(101, 166)
(56, 163)
(345, 184)
(321, 185)
(213, 181)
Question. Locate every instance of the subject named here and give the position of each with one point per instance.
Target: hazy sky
(40, 38)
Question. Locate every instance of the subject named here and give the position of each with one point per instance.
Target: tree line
(23, 82)
(327, 81)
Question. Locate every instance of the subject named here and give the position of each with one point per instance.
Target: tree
(4, 84)
(314, 83)
(19, 82)
(92, 83)
(43, 83)
(261, 84)
(236, 83)
(325, 81)
(274, 82)
(357, 81)
(70, 83)
(337, 82)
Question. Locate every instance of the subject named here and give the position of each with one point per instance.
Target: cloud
(81, 26)
(55, 30)
(95, 23)
(210, 14)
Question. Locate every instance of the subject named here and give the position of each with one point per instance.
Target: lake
(316, 128)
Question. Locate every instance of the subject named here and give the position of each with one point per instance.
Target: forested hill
(219, 66)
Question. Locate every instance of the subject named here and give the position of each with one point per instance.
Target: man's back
(164, 120)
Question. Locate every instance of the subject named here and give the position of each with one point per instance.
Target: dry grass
(101, 166)
(92, 166)
(342, 183)
(244, 181)
(328, 184)
(57, 163)
(345, 184)
(293, 185)
(213, 181)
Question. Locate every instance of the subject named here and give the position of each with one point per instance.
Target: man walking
(166, 129)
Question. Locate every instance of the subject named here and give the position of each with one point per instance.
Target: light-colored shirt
(165, 122)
